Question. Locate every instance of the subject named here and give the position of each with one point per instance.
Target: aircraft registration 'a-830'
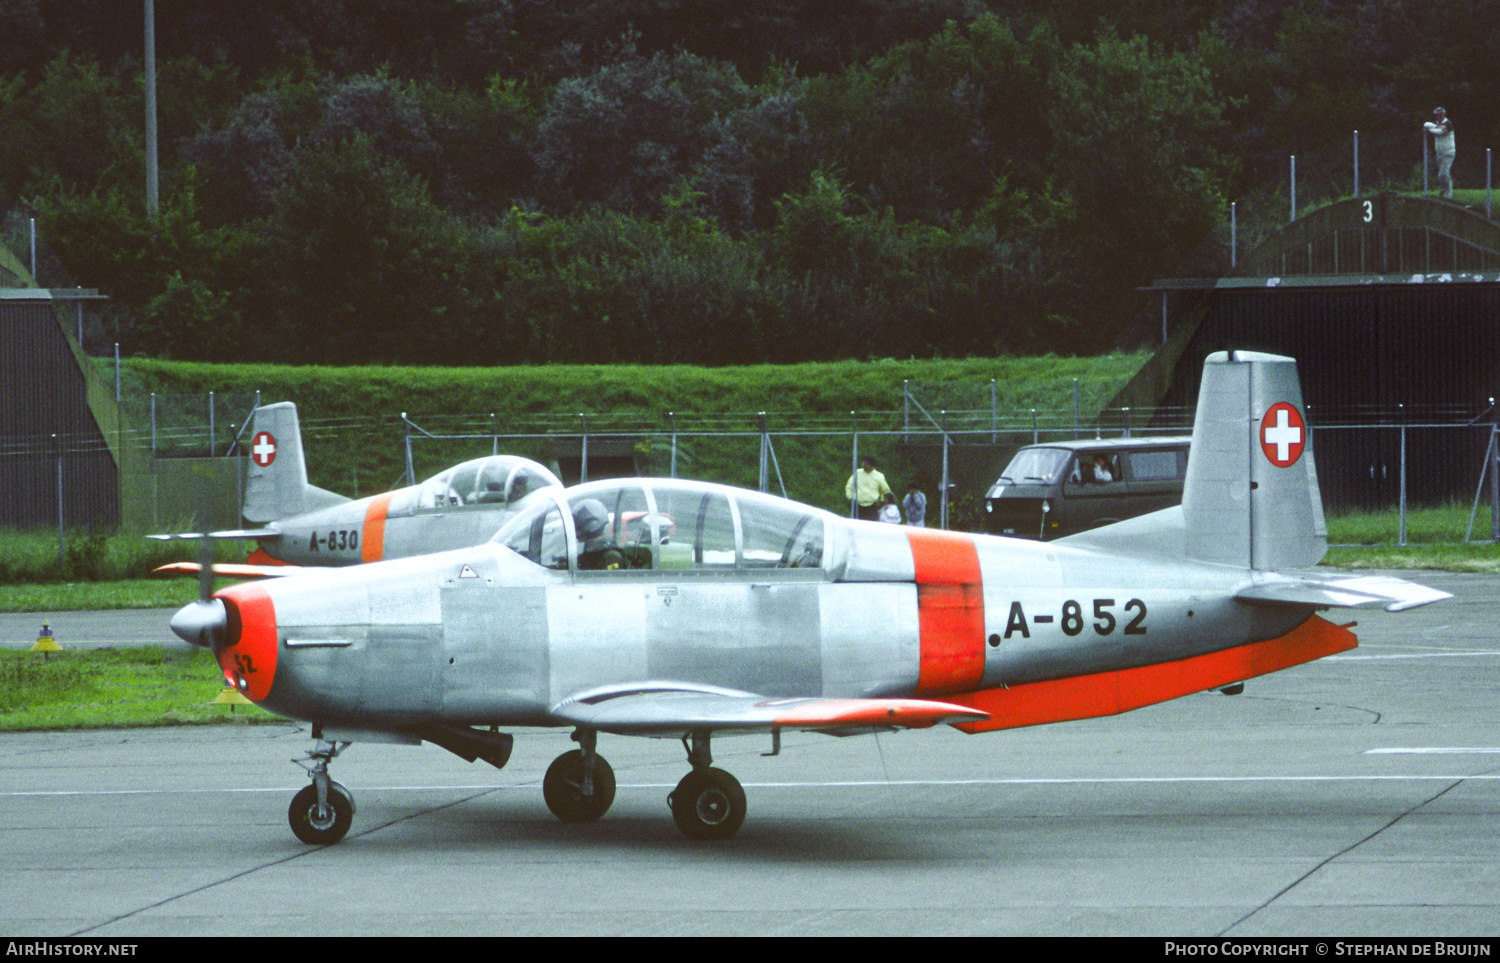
(673, 609)
(304, 525)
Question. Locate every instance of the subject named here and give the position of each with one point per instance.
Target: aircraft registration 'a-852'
(672, 609)
(304, 525)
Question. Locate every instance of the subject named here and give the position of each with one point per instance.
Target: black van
(1061, 488)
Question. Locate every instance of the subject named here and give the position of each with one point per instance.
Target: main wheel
(321, 825)
(708, 804)
(562, 787)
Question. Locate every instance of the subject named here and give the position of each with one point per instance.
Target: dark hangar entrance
(1391, 306)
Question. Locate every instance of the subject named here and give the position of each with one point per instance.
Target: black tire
(562, 788)
(708, 804)
(321, 828)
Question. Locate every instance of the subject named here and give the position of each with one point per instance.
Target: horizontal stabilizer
(259, 534)
(670, 708)
(1360, 591)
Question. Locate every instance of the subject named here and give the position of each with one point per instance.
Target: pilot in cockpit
(591, 523)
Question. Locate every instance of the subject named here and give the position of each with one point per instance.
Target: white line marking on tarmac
(1434, 751)
(840, 784)
(1415, 655)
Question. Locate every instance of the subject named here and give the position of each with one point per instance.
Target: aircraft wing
(1355, 591)
(670, 708)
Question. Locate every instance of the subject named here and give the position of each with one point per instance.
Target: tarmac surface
(1357, 796)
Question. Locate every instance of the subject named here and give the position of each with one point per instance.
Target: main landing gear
(321, 813)
(708, 803)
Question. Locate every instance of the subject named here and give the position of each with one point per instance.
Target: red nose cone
(248, 653)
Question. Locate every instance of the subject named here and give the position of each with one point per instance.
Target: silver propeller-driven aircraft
(304, 525)
(672, 609)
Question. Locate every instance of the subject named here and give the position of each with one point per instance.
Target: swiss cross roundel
(263, 448)
(1283, 434)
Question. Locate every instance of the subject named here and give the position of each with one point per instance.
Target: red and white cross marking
(263, 448)
(1283, 434)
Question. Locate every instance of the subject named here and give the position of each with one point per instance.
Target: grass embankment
(354, 437)
(115, 688)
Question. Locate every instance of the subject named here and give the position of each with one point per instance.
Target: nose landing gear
(579, 786)
(321, 813)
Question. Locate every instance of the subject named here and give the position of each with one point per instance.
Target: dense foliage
(703, 181)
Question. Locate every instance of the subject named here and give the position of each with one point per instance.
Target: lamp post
(152, 193)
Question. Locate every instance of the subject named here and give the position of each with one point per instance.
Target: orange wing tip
(177, 568)
(902, 713)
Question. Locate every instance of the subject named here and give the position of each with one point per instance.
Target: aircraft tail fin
(276, 486)
(1251, 497)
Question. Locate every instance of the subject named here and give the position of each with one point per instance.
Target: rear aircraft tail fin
(1251, 496)
(276, 486)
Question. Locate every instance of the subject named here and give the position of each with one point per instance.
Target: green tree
(1134, 143)
(370, 270)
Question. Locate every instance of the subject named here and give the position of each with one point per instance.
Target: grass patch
(156, 593)
(115, 688)
(1483, 558)
(32, 556)
(1432, 525)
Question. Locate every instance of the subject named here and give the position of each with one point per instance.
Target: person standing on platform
(1441, 129)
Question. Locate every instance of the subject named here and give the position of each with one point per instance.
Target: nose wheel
(321, 822)
(320, 814)
(579, 786)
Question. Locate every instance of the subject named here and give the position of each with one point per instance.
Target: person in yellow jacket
(868, 487)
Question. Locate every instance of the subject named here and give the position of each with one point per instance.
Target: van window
(1035, 465)
(1095, 468)
(1155, 465)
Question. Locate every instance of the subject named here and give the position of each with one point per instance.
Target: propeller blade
(205, 569)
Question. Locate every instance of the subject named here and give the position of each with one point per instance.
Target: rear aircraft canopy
(495, 481)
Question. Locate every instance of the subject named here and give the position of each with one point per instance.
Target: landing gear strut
(708, 803)
(579, 786)
(321, 813)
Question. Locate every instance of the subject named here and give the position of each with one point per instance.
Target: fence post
(765, 442)
(1401, 526)
(1356, 163)
(1233, 236)
(583, 453)
(411, 475)
(905, 411)
(672, 418)
(1494, 454)
(994, 413)
(1075, 409)
(946, 442)
(854, 469)
(57, 448)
